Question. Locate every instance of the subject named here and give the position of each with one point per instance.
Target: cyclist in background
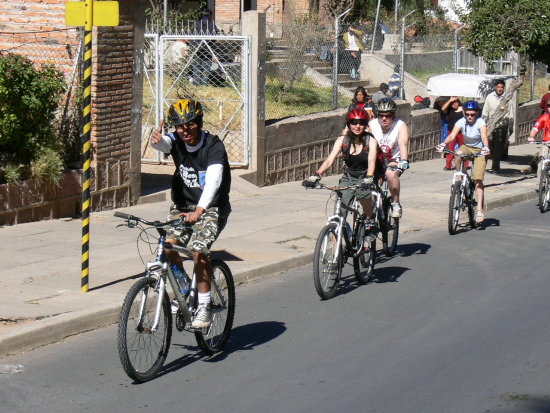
(358, 149)
(542, 123)
(200, 191)
(474, 130)
(392, 136)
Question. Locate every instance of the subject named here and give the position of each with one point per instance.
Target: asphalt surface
(270, 230)
(449, 324)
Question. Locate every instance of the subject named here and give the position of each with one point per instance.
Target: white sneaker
(202, 317)
(396, 210)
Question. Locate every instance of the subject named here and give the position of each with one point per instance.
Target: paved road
(451, 324)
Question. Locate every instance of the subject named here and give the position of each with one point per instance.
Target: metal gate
(213, 69)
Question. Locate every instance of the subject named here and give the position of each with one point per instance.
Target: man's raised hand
(156, 136)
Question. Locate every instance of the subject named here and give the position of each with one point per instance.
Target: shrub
(12, 173)
(48, 166)
(29, 99)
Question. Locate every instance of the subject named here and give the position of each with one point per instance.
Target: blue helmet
(471, 105)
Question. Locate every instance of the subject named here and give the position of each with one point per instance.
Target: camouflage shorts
(205, 231)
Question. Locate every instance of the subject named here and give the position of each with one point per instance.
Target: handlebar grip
(122, 215)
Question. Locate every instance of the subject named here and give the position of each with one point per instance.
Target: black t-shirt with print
(189, 177)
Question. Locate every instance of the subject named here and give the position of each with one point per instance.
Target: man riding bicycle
(358, 149)
(200, 191)
(474, 130)
(392, 136)
(542, 123)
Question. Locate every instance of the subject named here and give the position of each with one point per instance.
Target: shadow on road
(245, 337)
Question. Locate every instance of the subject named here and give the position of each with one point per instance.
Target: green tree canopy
(499, 26)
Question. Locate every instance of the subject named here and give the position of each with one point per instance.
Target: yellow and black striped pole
(84, 13)
(86, 146)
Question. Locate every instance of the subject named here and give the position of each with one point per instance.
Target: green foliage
(12, 173)
(48, 166)
(499, 26)
(29, 99)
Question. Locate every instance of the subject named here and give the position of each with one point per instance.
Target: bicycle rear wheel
(222, 300)
(327, 269)
(455, 205)
(544, 191)
(363, 264)
(390, 232)
(143, 351)
(470, 202)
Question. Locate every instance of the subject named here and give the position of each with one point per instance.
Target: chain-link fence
(62, 48)
(299, 70)
(204, 66)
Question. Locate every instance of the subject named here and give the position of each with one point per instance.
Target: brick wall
(36, 28)
(228, 11)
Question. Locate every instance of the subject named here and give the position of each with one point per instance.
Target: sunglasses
(471, 115)
(385, 115)
(358, 122)
(188, 125)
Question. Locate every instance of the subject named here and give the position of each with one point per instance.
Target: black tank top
(357, 164)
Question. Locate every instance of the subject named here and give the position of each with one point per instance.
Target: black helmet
(385, 105)
(184, 111)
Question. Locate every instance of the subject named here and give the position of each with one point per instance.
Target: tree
(500, 26)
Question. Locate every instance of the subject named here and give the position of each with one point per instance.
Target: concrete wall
(295, 147)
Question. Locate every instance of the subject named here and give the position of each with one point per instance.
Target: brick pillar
(117, 77)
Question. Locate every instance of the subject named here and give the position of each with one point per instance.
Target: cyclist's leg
(543, 153)
(449, 156)
(478, 175)
(393, 182)
(205, 231)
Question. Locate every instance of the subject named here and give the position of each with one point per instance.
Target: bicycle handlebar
(156, 224)
(463, 155)
(545, 143)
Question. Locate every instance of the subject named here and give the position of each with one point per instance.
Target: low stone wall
(296, 147)
(32, 200)
(526, 116)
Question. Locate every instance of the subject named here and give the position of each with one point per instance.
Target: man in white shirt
(499, 136)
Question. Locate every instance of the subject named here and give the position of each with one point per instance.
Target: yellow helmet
(184, 111)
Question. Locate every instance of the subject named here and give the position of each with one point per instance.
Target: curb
(54, 329)
(511, 200)
(39, 333)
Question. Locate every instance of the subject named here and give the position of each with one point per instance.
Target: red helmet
(360, 114)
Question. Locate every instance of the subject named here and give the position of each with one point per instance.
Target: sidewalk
(270, 230)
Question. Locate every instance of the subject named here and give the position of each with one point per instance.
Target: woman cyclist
(358, 149)
(474, 130)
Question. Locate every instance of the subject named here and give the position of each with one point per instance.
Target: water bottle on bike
(181, 277)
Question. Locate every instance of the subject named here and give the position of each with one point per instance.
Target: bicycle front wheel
(141, 349)
(363, 264)
(327, 262)
(222, 301)
(544, 191)
(455, 205)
